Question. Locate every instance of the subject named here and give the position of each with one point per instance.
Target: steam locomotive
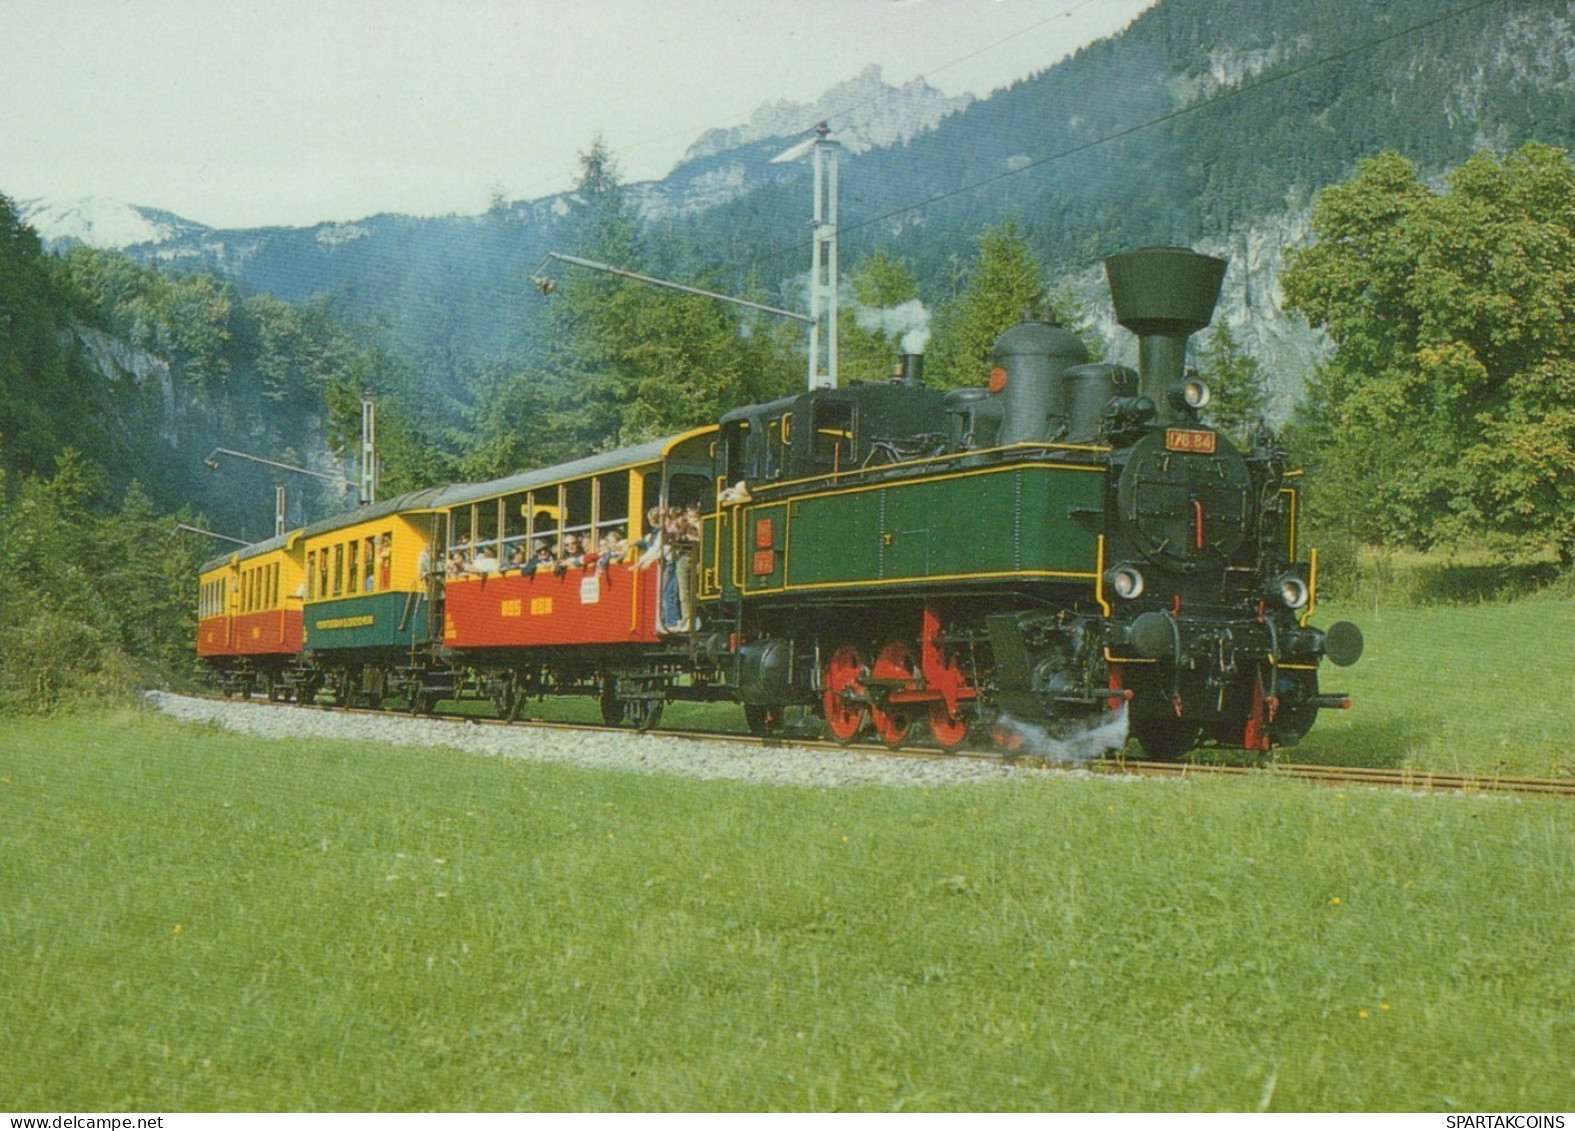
(1070, 542)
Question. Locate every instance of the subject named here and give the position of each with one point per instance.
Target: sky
(234, 113)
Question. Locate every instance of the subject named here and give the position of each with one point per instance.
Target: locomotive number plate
(1190, 440)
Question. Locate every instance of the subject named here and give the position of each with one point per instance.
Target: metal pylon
(823, 265)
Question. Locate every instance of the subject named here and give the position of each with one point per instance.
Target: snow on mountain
(864, 113)
(100, 222)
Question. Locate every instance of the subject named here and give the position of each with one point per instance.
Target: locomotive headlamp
(1292, 590)
(1193, 393)
(1126, 580)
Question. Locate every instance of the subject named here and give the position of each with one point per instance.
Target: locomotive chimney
(910, 370)
(1163, 295)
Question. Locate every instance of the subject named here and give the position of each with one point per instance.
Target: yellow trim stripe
(785, 588)
(1295, 505)
(1028, 447)
(1312, 588)
(1005, 469)
(1099, 576)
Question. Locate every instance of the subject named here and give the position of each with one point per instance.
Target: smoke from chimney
(908, 321)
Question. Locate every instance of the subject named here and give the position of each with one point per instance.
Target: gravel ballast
(627, 751)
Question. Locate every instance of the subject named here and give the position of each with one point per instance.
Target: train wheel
(613, 708)
(377, 690)
(764, 720)
(845, 710)
(505, 697)
(950, 732)
(419, 701)
(891, 723)
(645, 713)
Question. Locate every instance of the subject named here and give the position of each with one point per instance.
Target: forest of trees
(1443, 417)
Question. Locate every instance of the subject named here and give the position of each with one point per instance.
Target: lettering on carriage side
(346, 622)
(514, 608)
(541, 606)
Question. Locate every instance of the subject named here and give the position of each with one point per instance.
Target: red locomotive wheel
(891, 723)
(950, 733)
(844, 672)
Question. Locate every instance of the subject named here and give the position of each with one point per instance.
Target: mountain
(864, 113)
(100, 222)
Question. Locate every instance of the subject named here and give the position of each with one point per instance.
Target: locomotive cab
(825, 433)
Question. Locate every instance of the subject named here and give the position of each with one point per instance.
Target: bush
(1339, 562)
(51, 663)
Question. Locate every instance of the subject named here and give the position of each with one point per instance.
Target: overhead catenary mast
(823, 265)
(822, 316)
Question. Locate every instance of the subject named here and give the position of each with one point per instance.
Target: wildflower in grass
(1334, 901)
(177, 929)
(1362, 1014)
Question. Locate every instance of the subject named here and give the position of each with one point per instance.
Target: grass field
(193, 920)
(1473, 689)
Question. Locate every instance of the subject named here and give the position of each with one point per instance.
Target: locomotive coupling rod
(1332, 702)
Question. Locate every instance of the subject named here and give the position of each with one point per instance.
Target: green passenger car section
(1028, 520)
(371, 620)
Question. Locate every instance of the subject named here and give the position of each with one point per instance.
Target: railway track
(1412, 780)
(1415, 781)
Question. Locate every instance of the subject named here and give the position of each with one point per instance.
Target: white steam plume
(909, 321)
(1075, 747)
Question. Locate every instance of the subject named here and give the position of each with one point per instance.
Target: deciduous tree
(1448, 410)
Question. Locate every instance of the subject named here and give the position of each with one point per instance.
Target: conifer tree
(1236, 381)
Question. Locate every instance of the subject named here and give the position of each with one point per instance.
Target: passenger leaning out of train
(657, 546)
(652, 538)
(686, 544)
(541, 557)
(613, 548)
(572, 553)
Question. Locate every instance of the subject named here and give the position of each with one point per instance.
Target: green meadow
(1477, 689)
(194, 920)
